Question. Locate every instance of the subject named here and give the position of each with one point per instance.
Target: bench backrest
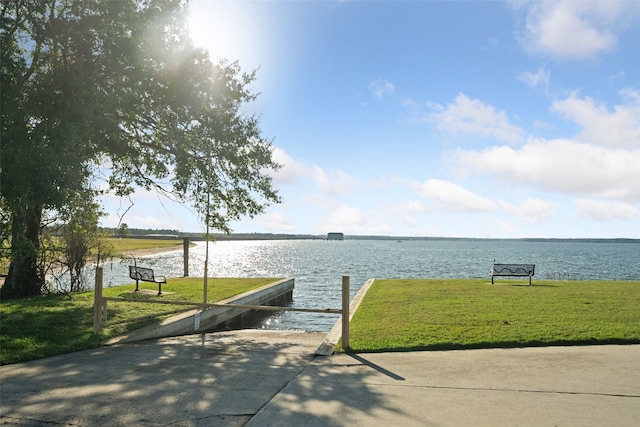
(513, 269)
(141, 273)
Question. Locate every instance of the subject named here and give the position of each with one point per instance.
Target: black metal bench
(515, 270)
(146, 275)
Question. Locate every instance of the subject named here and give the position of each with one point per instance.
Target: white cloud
(381, 88)
(153, 221)
(275, 221)
(539, 124)
(632, 95)
(319, 202)
(149, 209)
(347, 215)
(335, 182)
(413, 207)
(530, 210)
(385, 182)
(620, 74)
(603, 160)
(575, 29)
(539, 79)
(617, 128)
(600, 210)
(352, 220)
(560, 165)
(409, 222)
(291, 169)
(507, 227)
(454, 197)
(472, 116)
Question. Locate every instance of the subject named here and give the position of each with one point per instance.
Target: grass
(395, 315)
(48, 325)
(405, 315)
(126, 245)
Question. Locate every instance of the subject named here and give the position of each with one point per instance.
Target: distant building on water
(335, 236)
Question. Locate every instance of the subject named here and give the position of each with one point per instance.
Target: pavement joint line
(505, 390)
(512, 390)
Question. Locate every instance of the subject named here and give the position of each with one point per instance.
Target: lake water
(318, 265)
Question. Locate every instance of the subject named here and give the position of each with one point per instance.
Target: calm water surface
(318, 265)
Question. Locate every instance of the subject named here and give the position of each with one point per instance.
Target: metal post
(185, 255)
(345, 312)
(97, 302)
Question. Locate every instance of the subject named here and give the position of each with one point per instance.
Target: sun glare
(229, 30)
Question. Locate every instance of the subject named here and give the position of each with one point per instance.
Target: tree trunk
(25, 277)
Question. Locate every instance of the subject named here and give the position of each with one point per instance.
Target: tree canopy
(90, 86)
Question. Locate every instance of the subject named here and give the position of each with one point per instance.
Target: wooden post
(97, 302)
(206, 277)
(185, 255)
(345, 312)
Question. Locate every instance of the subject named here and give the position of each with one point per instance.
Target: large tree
(94, 85)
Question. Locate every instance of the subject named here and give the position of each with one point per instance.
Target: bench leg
(136, 286)
(492, 280)
(159, 288)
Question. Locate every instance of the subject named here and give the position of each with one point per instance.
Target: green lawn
(32, 328)
(403, 315)
(130, 244)
(395, 315)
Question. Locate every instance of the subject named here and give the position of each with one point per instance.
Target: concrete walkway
(551, 386)
(259, 378)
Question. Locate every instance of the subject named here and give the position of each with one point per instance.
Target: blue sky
(432, 118)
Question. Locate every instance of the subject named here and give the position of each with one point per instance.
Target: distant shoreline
(267, 236)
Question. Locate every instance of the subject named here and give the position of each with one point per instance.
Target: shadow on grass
(526, 285)
(38, 327)
(37, 332)
(494, 345)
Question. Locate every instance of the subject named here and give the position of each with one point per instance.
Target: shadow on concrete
(220, 379)
(327, 394)
(380, 369)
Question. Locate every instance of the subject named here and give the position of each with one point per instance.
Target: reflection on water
(318, 265)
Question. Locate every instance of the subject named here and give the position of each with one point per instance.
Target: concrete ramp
(197, 320)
